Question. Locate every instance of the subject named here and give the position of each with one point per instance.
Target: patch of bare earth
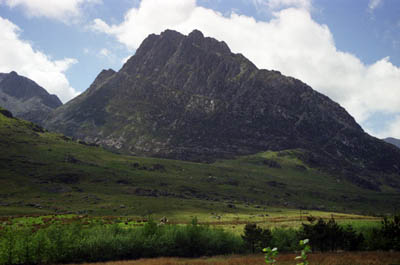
(344, 258)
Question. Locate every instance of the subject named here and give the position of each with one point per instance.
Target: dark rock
(66, 178)
(301, 168)
(124, 181)
(158, 167)
(6, 113)
(274, 183)
(71, 159)
(271, 163)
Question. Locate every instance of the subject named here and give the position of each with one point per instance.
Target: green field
(46, 173)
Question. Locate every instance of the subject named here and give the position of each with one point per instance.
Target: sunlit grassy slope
(42, 172)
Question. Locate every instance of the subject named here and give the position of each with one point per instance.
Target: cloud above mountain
(19, 55)
(64, 10)
(291, 42)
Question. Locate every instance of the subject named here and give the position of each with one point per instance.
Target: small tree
(391, 232)
(323, 235)
(255, 237)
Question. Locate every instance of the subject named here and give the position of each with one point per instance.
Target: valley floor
(343, 258)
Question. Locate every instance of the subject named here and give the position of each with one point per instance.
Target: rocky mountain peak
(26, 99)
(103, 76)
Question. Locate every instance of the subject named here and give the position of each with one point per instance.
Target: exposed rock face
(26, 99)
(191, 98)
(393, 141)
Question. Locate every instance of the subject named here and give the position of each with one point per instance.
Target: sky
(347, 50)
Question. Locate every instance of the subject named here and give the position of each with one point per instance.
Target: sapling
(306, 249)
(270, 255)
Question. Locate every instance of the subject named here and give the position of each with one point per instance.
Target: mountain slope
(25, 99)
(190, 98)
(43, 172)
(393, 141)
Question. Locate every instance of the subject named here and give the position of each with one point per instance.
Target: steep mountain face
(191, 98)
(26, 99)
(393, 141)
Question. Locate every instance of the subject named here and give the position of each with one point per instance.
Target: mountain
(191, 98)
(26, 99)
(393, 141)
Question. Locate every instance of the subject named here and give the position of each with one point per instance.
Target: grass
(353, 258)
(46, 173)
(278, 218)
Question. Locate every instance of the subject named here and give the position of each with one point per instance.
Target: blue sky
(348, 50)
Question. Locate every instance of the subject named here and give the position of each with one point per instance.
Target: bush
(255, 237)
(325, 236)
(387, 237)
(285, 239)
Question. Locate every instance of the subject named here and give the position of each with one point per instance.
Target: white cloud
(291, 42)
(18, 55)
(374, 4)
(63, 10)
(138, 23)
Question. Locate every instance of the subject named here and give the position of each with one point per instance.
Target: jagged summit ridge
(191, 98)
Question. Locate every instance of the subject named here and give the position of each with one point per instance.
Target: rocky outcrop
(26, 99)
(191, 98)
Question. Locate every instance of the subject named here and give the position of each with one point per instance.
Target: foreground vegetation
(56, 242)
(73, 243)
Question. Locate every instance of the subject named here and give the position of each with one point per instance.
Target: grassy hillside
(44, 173)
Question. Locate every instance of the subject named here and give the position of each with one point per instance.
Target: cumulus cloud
(291, 42)
(18, 55)
(63, 10)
